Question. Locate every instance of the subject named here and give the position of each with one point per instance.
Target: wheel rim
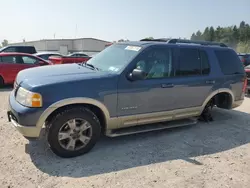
(75, 134)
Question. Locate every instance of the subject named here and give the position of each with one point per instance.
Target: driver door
(140, 101)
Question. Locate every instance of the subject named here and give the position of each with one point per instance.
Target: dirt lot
(204, 155)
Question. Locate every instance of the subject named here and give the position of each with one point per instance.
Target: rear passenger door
(8, 68)
(193, 81)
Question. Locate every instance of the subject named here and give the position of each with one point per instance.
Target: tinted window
(27, 49)
(205, 67)
(189, 63)
(10, 49)
(8, 59)
(229, 62)
(157, 63)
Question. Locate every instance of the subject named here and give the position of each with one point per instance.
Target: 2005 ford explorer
(127, 88)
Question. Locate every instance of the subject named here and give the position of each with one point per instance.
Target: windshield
(114, 58)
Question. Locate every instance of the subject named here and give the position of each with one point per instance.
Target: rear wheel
(73, 132)
(1, 81)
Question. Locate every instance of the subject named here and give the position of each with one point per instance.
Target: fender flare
(65, 102)
(223, 90)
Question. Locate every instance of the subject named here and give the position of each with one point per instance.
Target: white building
(64, 46)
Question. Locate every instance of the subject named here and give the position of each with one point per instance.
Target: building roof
(73, 39)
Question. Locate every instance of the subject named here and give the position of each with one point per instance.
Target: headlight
(28, 98)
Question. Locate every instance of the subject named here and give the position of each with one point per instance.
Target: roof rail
(175, 41)
(208, 43)
(157, 40)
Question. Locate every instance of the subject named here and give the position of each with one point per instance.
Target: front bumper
(28, 132)
(24, 119)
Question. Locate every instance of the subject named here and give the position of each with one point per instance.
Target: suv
(20, 49)
(126, 85)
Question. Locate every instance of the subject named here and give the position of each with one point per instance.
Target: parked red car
(67, 59)
(12, 63)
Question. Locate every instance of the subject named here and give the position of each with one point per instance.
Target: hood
(45, 75)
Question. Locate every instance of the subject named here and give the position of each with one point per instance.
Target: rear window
(27, 49)
(229, 62)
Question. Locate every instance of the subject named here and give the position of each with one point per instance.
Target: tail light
(244, 85)
(243, 60)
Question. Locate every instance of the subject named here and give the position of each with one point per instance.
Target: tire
(1, 82)
(60, 123)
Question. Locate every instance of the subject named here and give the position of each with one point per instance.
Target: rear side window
(229, 62)
(189, 62)
(27, 49)
(193, 62)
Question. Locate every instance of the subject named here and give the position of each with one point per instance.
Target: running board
(150, 127)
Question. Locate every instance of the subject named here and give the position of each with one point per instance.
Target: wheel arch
(216, 92)
(71, 102)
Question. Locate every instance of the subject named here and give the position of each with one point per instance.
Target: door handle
(167, 85)
(210, 82)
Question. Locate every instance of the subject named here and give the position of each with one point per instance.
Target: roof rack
(175, 41)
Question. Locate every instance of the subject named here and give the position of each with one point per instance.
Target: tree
(206, 34)
(5, 43)
(211, 34)
(237, 37)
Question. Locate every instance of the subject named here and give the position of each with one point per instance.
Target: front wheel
(73, 132)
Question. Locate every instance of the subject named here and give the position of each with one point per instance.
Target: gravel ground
(204, 155)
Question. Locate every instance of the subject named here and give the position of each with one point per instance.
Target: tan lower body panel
(142, 119)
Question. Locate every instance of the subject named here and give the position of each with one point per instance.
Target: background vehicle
(20, 49)
(245, 59)
(247, 69)
(68, 59)
(46, 55)
(12, 63)
(124, 86)
(78, 54)
(107, 45)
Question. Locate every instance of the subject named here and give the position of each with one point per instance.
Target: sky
(112, 20)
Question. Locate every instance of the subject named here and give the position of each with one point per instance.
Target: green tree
(5, 43)
(237, 37)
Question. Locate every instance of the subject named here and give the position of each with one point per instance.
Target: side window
(8, 59)
(46, 57)
(10, 49)
(189, 62)
(205, 67)
(157, 63)
(229, 62)
(29, 60)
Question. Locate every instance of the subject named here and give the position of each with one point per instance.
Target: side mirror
(137, 74)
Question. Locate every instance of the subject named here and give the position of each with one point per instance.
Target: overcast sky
(115, 19)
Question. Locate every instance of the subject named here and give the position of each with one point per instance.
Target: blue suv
(127, 88)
